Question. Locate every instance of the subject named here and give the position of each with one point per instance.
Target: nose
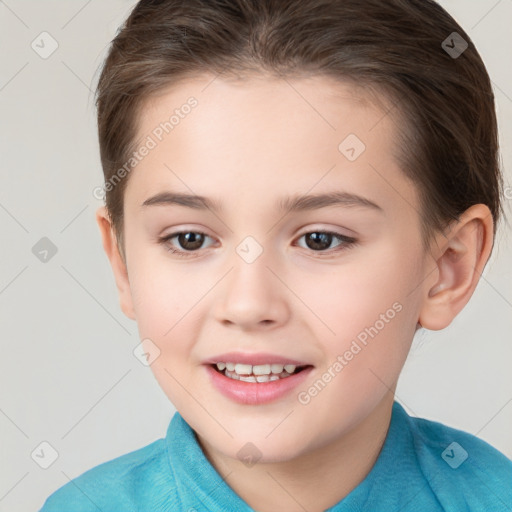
(252, 296)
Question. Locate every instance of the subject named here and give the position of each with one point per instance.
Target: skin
(247, 144)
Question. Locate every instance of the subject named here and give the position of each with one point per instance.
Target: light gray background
(68, 374)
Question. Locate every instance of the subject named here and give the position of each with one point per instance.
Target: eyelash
(348, 242)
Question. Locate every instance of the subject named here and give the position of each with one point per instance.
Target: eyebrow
(291, 203)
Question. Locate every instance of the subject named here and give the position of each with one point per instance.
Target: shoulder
(463, 471)
(125, 481)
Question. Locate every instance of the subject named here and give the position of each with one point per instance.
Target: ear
(460, 258)
(116, 261)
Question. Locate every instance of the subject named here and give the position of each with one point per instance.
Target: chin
(278, 447)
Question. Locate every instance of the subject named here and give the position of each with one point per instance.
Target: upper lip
(253, 359)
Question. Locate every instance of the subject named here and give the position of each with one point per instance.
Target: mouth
(256, 384)
(260, 373)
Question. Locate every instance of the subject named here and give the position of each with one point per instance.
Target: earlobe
(116, 261)
(459, 263)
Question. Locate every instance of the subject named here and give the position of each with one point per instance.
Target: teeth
(258, 369)
(255, 378)
(243, 369)
(248, 379)
(261, 369)
(276, 368)
(256, 373)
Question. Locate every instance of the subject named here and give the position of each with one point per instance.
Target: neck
(313, 481)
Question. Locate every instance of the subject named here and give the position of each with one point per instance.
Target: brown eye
(320, 241)
(191, 240)
(187, 242)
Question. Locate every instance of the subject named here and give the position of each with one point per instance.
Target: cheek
(165, 314)
(369, 317)
(163, 292)
(165, 300)
(355, 294)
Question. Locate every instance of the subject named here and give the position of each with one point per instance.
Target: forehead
(320, 101)
(254, 136)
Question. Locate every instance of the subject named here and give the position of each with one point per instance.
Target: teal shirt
(423, 466)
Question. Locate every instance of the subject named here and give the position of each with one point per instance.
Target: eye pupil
(195, 239)
(319, 240)
(189, 242)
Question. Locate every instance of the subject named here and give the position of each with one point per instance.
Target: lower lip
(255, 393)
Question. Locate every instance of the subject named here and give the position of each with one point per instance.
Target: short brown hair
(449, 139)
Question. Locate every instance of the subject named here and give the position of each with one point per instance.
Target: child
(293, 188)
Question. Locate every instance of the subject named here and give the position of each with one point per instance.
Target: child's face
(248, 146)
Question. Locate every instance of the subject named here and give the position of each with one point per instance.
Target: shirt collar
(396, 463)
(200, 486)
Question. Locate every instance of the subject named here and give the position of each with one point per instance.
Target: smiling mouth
(257, 373)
